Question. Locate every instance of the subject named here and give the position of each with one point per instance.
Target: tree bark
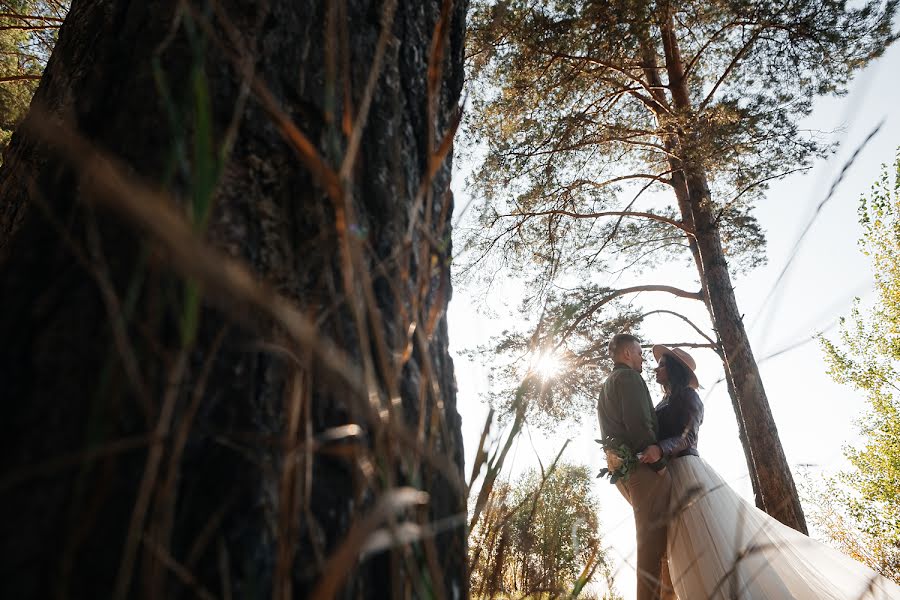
(769, 471)
(161, 439)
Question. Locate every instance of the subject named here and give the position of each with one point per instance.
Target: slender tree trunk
(685, 206)
(776, 493)
(679, 185)
(770, 473)
(164, 437)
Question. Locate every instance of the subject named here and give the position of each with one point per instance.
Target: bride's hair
(679, 376)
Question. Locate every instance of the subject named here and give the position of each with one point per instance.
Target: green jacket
(626, 412)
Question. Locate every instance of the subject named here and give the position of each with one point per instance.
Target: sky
(814, 416)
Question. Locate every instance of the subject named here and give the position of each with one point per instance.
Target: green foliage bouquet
(621, 461)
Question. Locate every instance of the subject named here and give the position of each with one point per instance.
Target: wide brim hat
(681, 356)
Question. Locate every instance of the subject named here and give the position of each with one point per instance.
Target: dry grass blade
(443, 150)
(439, 42)
(796, 248)
(289, 488)
(182, 573)
(117, 318)
(203, 539)
(325, 176)
(481, 454)
(224, 569)
(105, 182)
(407, 533)
(331, 183)
(343, 559)
(587, 573)
(96, 265)
(386, 538)
(334, 434)
(186, 419)
(387, 21)
(148, 481)
(51, 466)
(440, 461)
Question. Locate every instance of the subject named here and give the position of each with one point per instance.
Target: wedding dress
(722, 547)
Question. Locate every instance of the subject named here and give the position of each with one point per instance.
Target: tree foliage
(539, 535)
(867, 356)
(572, 106)
(562, 362)
(578, 118)
(27, 33)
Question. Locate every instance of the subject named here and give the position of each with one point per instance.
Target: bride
(719, 545)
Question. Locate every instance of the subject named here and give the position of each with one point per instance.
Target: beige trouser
(648, 493)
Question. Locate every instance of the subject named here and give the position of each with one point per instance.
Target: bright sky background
(814, 416)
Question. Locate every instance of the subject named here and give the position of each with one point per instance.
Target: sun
(546, 365)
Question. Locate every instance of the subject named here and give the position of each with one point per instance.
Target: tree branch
(657, 147)
(652, 250)
(28, 27)
(683, 318)
(763, 181)
(29, 17)
(684, 345)
(596, 61)
(702, 49)
(655, 107)
(19, 78)
(588, 182)
(651, 72)
(734, 61)
(615, 229)
(586, 141)
(612, 295)
(610, 213)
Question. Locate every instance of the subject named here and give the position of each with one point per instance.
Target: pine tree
(589, 111)
(224, 271)
(28, 31)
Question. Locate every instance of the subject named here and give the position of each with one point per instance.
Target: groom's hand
(651, 454)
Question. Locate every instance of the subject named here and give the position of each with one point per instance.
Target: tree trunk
(679, 186)
(682, 194)
(685, 205)
(776, 493)
(769, 471)
(165, 437)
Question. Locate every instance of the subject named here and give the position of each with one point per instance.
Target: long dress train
(722, 547)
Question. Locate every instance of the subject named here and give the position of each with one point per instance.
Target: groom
(627, 417)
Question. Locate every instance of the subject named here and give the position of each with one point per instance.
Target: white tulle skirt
(723, 547)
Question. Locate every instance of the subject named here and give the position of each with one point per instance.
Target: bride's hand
(651, 454)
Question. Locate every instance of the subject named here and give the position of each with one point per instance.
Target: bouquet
(621, 460)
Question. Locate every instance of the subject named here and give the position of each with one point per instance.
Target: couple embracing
(697, 538)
